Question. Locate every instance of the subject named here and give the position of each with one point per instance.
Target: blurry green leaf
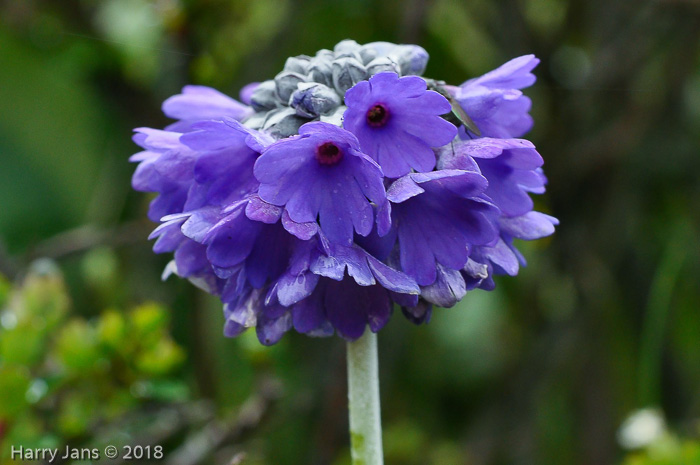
(42, 301)
(76, 413)
(22, 345)
(77, 347)
(112, 330)
(120, 401)
(148, 320)
(14, 382)
(160, 359)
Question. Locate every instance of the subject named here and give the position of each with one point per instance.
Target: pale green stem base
(363, 401)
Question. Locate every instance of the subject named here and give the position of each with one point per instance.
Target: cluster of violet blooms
(345, 185)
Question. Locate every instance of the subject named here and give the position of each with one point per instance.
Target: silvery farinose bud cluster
(313, 87)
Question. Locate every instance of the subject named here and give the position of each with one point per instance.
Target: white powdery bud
(298, 64)
(265, 96)
(380, 49)
(313, 99)
(367, 54)
(286, 83)
(320, 70)
(346, 73)
(346, 46)
(283, 122)
(411, 58)
(382, 64)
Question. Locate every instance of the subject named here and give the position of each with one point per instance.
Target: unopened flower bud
(298, 64)
(320, 71)
(286, 83)
(346, 73)
(367, 54)
(353, 55)
(264, 97)
(380, 49)
(412, 58)
(283, 122)
(382, 64)
(324, 54)
(312, 99)
(345, 46)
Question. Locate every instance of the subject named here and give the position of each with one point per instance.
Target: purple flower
(164, 167)
(397, 121)
(246, 239)
(190, 260)
(226, 152)
(351, 290)
(342, 289)
(503, 257)
(347, 306)
(511, 166)
(249, 310)
(343, 306)
(513, 170)
(200, 103)
(439, 217)
(322, 174)
(494, 101)
(246, 92)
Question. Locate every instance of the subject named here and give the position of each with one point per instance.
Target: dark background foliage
(604, 320)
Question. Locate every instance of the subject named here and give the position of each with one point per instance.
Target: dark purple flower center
(378, 115)
(328, 154)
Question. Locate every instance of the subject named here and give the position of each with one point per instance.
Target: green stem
(363, 401)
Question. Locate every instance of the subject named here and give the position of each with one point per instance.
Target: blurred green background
(605, 320)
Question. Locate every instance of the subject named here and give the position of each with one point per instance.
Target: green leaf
(14, 382)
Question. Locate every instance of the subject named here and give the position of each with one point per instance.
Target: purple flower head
(397, 121)
(494, 101)
(340, 188)
(322, 174)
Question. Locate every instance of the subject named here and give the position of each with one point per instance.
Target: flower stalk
(363, 401)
